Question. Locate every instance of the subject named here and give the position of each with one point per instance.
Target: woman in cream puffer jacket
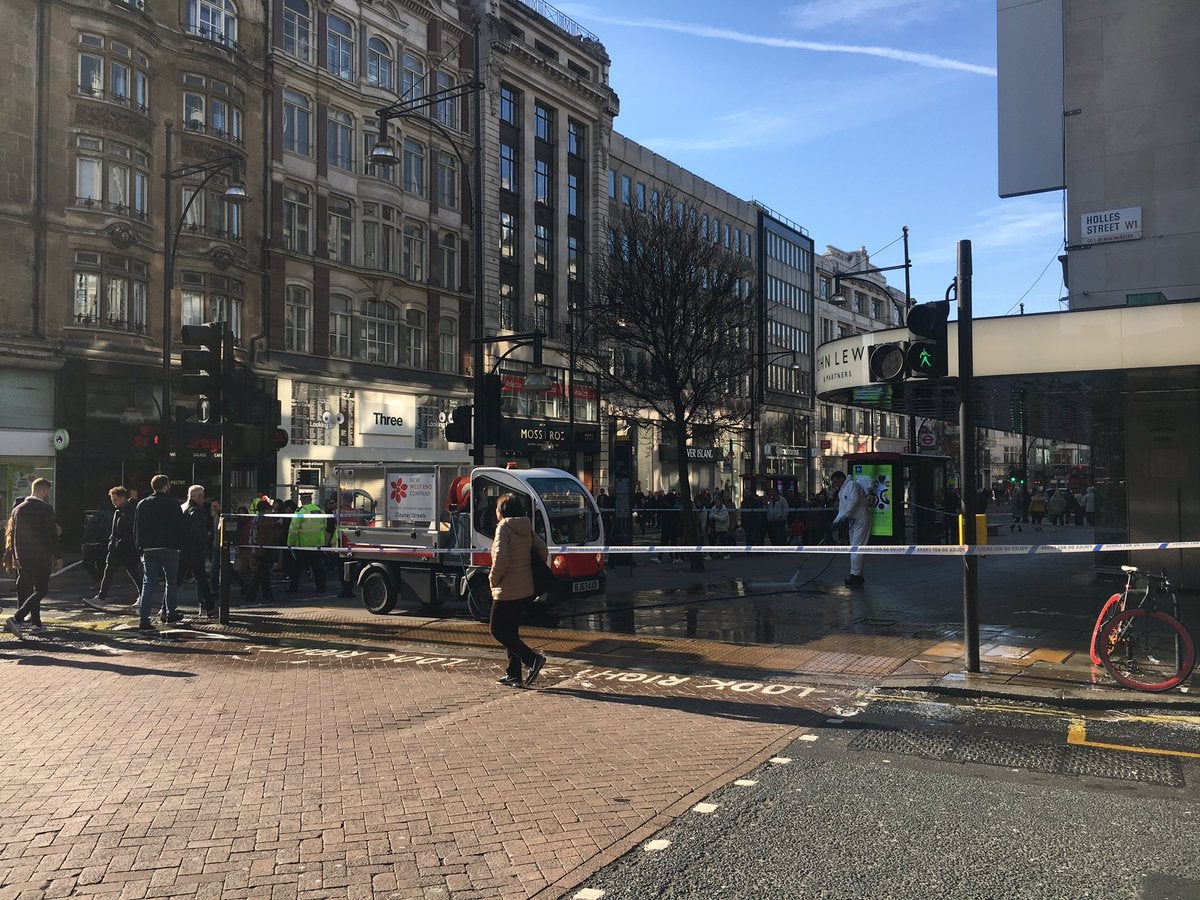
(511, 580)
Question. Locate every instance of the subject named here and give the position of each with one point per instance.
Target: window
(413, 252)
(510, 105)
(508, 235)
(412, 75)
(112, 75)
(379, 63)
(625, 189)
(378, 328)
(413, 162)
(341, 230)
(822, 287)
(297, 29)
(542, 247)
(339, 327)
(211, 298)
(612, 184)
(111, 176)
(339, 140)
(296, 212)
(448, 345)
(509, 169)
(858, 302)
(448, 260)
(110, 292)
(447, 180)
(641, 195)
(574, 258)
(541, 312)
(543, 123)
(446, 111)
(310, 402)
(543, 182)
(414, 339)
(340, 48)
(380, 237)
(297, 319)
(297, 123)
(573, 201)
(576, 138)
(215, 20)
(508, 312)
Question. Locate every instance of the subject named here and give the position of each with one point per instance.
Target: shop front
(545, 442)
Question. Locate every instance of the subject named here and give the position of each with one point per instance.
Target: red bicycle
(1142, 646)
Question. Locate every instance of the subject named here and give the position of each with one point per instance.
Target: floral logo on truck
(399, 490)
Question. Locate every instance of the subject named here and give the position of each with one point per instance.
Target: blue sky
(850, 117)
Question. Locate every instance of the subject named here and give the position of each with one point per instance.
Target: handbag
(543, 578)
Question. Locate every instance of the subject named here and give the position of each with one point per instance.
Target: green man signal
(928, 355)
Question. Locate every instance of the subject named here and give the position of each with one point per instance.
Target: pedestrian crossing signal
(928, 355)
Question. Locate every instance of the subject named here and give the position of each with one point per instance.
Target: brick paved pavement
(146, 769)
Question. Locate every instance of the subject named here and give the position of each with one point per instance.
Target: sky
(852, 118)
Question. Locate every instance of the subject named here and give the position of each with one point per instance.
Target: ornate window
(215, 20)
(339, 327)
(379, 63)
(414, 167)
(447, 180)
(379, 326)
(297, 29)
(340, 140)
(297, 319)
(412, 260)
(414, 339)
(297, 214)
(341, 230)
(112, 176)
(448, 360)
(448, 258)
(445, 111)
(110, 292)
(340, 50)
(297, 123)
(412, 78)
(213, 107)
(113, 71)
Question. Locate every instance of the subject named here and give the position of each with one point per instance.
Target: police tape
(419, 550)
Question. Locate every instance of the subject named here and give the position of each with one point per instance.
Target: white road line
(704, 808)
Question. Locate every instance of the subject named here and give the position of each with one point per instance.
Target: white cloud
(815, 14)
(927, 60)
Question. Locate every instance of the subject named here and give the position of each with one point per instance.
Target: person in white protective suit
(854, 508)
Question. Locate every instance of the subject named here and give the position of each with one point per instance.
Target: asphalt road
(920, 799)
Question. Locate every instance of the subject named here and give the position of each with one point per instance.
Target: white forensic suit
(854, 506)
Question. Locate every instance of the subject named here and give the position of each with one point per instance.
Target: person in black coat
(122, 552)
(197, 546)
(158, 530)
(36, 555)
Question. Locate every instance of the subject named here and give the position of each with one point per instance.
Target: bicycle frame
(1154, 588)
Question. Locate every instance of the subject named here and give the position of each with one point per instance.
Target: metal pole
(571, 390)
(966, 432)
(226, 490)
(477, 449)
(168, 288)
(912, 419)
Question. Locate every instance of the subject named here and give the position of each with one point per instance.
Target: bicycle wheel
(1138, 649)
(1101, 621)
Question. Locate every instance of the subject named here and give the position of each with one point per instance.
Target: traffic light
(458, 430)
(887, 362)
(928, 356)
(492, 414)
(203, 367)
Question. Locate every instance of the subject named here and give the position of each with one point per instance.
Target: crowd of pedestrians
(1053, 507)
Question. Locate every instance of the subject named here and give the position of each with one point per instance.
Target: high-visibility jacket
(306, 529)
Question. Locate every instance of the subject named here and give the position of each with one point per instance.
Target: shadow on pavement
(115, 668)
(757, 713)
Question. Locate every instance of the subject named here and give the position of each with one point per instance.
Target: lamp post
(838, 300)
(759, 397)
(234, 193)
(383, 153)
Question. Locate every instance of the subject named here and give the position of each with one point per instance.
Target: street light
(384, 153)
(758, 397)
(235, 193)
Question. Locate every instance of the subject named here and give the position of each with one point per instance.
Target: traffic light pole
(227, 518)
(966, 443)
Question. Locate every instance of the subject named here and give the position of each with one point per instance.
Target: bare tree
(674, 311)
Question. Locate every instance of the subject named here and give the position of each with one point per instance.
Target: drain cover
(1100, 763)
(1010, 754)
(910, 743)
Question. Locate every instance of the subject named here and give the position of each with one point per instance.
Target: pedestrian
(94, 543)
(260, 536)
(306, 536)
(1089, 506)
(854, 508)
(35, 554)
(753, 510)
(158, 531)
(777, 515)
(1020, 509)
(718, 521)
(1037, 509)
(122, 553)
(197, 547)
(1056, 508)
(511, 580)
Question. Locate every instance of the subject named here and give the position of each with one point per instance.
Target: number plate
(580, 586)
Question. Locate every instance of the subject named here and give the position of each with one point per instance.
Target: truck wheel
(378, 595)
